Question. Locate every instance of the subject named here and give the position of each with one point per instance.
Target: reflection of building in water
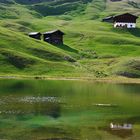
(121, 130)
(53, 110)
(118, 126)
(49, 106)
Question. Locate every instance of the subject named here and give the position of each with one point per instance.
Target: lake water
(68, 110)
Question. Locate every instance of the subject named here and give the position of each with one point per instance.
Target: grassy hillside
(28, 56)
(92, 48)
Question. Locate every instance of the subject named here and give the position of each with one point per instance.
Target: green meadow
(92, 48)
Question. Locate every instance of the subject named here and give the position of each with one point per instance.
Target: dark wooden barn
(36, 35)
(127, 17)
(125, 20)
(54, 37)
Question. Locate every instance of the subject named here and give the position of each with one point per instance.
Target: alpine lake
(68, 110)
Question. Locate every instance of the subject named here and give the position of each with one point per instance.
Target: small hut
(54, 37)
(36, 35)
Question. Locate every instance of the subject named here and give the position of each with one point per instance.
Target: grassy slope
(20, 54)
(99, 50)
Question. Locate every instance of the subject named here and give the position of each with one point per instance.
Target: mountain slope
(22, 54)
(92, 48)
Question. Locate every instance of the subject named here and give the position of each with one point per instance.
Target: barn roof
(110, 18)
(125, 14)
(54, 31)
(34, 33)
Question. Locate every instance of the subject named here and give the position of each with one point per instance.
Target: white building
(124, 24)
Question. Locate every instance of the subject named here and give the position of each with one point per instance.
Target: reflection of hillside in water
(122, 133)
(50, 106)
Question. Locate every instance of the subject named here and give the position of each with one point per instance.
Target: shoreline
(105, 79)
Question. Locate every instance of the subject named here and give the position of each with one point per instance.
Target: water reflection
(50, 106)
(51, 109)
(121, 133)
(118, 130)
(33, 99)
(67, 110)
(65, 138)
